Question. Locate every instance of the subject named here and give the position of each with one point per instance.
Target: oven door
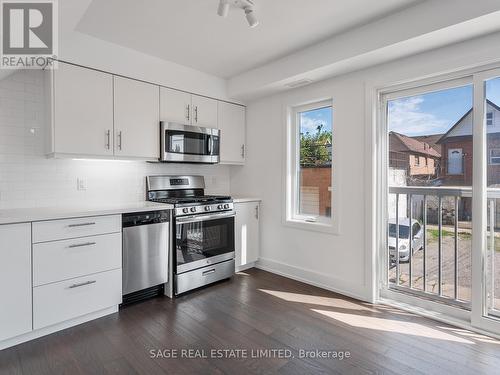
(186, 143)
(203, 240)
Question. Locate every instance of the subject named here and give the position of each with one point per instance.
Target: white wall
(342, 262)
(28, 179)
(83, 49)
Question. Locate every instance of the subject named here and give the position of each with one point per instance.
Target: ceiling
(190, 33)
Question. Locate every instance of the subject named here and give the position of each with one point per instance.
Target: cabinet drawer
(203, 276)
(54, 230)
(58, 302)
(66, 259)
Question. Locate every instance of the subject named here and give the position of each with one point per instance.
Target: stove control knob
(193, 209)
(207, 208)
(220, 206)
(185, 210)
(226, 206)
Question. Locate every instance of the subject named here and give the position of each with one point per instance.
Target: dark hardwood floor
(254, 311)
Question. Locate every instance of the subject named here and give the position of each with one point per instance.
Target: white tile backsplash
(29, 179)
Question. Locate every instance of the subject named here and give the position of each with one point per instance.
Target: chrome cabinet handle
(120, 140)
(196, 113)
(242, 151)
(73, 286)
(210, 144)
(208, 272)
(82, 244)
(108, 139)
(188, 110)
(81, 224)
(257, 212)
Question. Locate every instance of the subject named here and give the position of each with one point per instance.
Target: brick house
(418, 158)
(456, 146)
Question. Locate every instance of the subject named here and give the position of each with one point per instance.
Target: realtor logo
(28, 33)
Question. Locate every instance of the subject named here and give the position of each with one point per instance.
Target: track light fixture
(247, 6)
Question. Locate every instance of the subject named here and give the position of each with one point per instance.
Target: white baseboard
(57, 327)
(311, 277)
(246, 266)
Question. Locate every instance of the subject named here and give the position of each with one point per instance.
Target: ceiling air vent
(300, 82)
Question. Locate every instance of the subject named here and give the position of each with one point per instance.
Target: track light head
(251, 17)
(246, 5)
(223, 8)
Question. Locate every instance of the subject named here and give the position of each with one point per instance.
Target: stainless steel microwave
(189, 144)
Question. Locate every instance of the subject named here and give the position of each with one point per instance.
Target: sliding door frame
(478, 316)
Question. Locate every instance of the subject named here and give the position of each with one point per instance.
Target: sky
(435, 112)
(310, 120)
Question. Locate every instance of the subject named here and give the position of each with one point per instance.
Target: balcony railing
(445, 204)
(446, 213)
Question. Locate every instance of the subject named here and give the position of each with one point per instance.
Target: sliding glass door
(441, 196)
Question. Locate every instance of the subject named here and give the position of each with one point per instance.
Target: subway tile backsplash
(29, 179)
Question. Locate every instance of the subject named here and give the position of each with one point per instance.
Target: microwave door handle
(210, 144)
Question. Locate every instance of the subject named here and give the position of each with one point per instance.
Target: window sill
(329, 228)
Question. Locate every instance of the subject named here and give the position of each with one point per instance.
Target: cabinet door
(204, 112)
(232, 137)
(136, 114)
(83, 111)
(15, 280)
(175, 106)
(247, 238)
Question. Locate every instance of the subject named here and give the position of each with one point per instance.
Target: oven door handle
(197, 218)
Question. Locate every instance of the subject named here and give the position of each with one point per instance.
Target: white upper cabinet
(97, 114)
(204, 111)
(136, 119)
(232, 127)
(15, 280)
(175, 106)
(82, 116)
(247, 234)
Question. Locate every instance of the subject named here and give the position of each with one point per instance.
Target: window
(415, 229)
(495, 156)
(489, 118)
(310, 157)
(455, 161)
(417, 160)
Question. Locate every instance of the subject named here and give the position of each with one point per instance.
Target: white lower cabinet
(66, 259)
(58, 273)
(62, 229)
(247, 237)
(77, 268)
(57, 302)
(15, 280)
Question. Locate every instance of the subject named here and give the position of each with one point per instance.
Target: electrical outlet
(81, 184)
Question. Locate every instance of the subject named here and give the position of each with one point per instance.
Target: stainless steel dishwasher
(145, 253)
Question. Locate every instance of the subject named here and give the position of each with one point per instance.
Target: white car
(404, 241)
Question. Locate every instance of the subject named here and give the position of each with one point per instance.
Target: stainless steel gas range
(203, 231)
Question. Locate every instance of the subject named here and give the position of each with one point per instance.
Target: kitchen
(155, 203)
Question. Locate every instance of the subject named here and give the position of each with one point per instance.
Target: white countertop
(245, 199)
(24, 215)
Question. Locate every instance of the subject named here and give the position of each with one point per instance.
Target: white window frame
(494, 157)
(291, 179)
